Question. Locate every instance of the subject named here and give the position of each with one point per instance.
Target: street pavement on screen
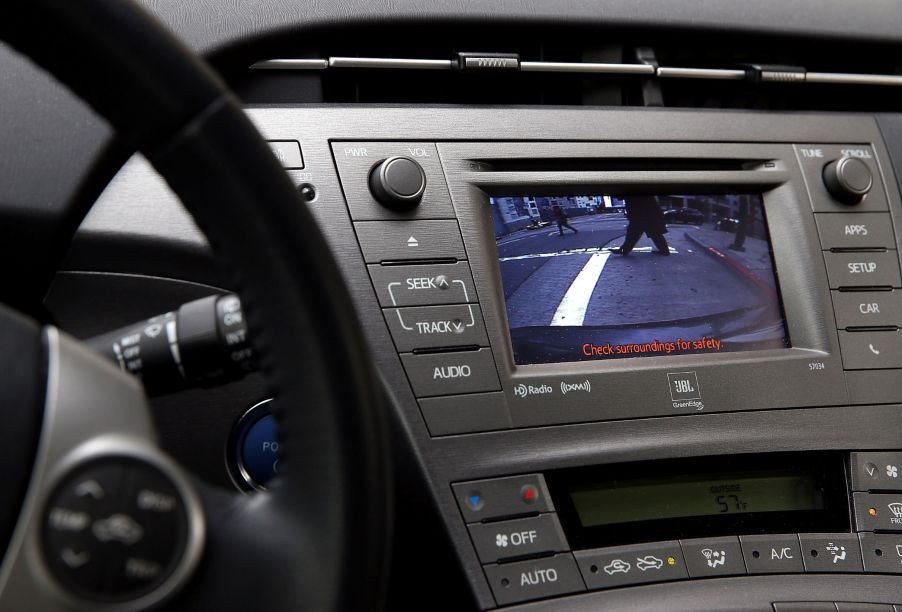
(574, 279)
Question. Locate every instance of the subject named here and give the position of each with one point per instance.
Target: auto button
(536, 579)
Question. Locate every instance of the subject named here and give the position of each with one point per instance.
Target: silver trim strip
(587, 67)
(853, 79)
(390, 62)
(664, 72)
(700, 73)
(291, 64)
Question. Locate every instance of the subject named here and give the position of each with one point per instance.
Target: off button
(518, 538)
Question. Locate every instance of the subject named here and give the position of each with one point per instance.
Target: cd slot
(596, 164)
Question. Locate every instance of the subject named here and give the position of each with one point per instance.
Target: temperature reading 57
(731, 503)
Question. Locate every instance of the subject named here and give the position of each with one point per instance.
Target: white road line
(572, 309)
(586, 251)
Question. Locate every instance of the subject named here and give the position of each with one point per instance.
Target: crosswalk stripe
(572, 309)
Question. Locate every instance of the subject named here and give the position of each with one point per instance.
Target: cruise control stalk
(202, 343)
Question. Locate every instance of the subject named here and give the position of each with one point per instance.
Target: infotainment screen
(606, 277)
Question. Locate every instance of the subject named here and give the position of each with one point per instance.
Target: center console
(532, 284)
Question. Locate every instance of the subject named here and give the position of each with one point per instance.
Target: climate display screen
(695, 496)
(608, 277)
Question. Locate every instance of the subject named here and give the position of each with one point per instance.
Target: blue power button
(258, 447)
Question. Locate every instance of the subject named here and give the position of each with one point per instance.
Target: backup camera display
(609, 277)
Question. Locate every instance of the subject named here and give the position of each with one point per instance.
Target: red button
(529, 494)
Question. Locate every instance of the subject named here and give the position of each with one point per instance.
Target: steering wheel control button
(867, 308)
(518, 538)
(501, 498)
(423, 285)
(392, 180)
(772, 554)
(536, 579)
(393, 241)
(612, 567)
(881, 552)
(848, 179)
(876, 471)
(842, 177)
(865, 269)
(871, 350)
(451, 373)
(288, 152)
(854, 230)
(428, 327)
(713, 557)
(114, 530)
(831, 552)
(398, 183)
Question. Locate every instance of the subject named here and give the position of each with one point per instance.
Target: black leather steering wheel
(318, 539)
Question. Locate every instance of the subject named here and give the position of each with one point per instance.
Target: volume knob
(398, 183)
(848, 179)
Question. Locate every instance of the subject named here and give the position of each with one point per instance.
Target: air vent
(572, 69)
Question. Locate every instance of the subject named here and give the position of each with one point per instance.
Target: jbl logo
(683, 386)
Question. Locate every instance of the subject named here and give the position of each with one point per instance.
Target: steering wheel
(94, 515)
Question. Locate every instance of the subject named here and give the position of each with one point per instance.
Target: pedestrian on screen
(562, 221)
(645, 217)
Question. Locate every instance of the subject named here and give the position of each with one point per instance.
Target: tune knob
(848, 179)
(398, 183)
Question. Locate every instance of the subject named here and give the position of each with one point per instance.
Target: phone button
(871, 350)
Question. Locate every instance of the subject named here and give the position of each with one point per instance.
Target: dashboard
(637, 354)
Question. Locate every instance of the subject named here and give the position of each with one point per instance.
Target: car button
(525, 580)
(831, 552)
(772, 554)
(452, 373)
(610, 567)
(867, 308)
(482, 500)
(423, 285)
(402, 240)
(713, 556)
(876, 471)
(864, 269)
(882, 553)
(878, 511)
(518, 538)
(855, 230)
(871, 350)
(424, 327)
